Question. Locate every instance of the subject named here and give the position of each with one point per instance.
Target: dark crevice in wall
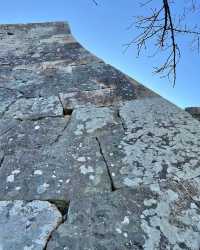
(2, 160)
(38, 118)
(121, 121)
(65, 127)
(8, 107)
(10, 33)
(66, 111)
(14, 90)
(63, 207)
(113, 188)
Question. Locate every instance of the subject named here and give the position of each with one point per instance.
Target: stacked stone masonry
(89, 158)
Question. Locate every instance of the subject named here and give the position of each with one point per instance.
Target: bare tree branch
(162, 27)
(95, 2)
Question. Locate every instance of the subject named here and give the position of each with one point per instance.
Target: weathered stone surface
(56, 172)
(35, 108)
(93, 120)
(27, 225)
(155, 145)
(101, 97)
(7, 98)
(16, 135)
(104, 75)
(33, 43)
(73, 129)
(155, 217)
(40, 79)
(194, 111)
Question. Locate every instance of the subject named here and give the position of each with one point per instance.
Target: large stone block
(35, 108)
(154, 145)
(56, 172)
(152, 218)
(27, 225)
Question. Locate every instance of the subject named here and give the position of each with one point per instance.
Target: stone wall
(89, 158)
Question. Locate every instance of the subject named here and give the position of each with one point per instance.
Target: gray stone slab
(102, 97)
(7, 97)
(35, 108)
(155, 217)
(34, 30)
(93, 120)
(6, 125)
(17, 135)
(160, 141)
(27, 225)
(105, 75)
(57, 172)
(32, 49)
(39, 79)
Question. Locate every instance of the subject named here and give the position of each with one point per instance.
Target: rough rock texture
(143, 218)
(120, 163)
(194, 111)
(27, 225)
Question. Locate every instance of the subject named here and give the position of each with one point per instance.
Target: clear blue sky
(103, 30)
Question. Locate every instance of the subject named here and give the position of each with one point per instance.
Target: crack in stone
(63, 207)
(61, 133)
(121, 121)
(14, 90)
(7, 130)
(2, 160)
(113, 188)
(8, 107)
(61, 104)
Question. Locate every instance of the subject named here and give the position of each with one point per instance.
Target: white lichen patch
(128, 182)
(86, 169)
(125, 235)
(42, 188)
(91, 177)
(10, 178)
(160, 219)
(95, 118)
(79, 129)
(118, 230)
(37, 127)
(81, 159)
(126, 220)
(16, 171)
(38, 172)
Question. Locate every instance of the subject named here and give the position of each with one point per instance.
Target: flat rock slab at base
(151, 218)
(27, 225)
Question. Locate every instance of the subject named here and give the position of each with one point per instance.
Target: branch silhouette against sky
(162, 27)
